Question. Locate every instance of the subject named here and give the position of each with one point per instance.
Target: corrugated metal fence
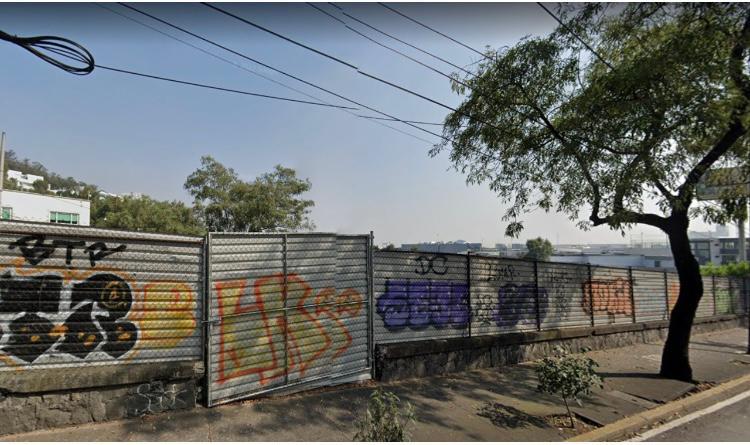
(435, 295)
(74, 296)
(286, 311)
(289, 311)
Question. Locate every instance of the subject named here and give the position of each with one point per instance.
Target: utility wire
(448, 76)
(400, 40)
(567, 28)
(282, 72)
(404, 89)
(345, 109)
(432, 29)
(391, 84)
(214, 87)
(290, 40)
(387, 119)
(57, 45)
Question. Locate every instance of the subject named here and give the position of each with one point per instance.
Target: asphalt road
(731, 423)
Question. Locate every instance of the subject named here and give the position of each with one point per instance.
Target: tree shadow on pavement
(506, 416)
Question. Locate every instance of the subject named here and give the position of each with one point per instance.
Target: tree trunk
(675, 361)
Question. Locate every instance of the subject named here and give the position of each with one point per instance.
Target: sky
(129, 134)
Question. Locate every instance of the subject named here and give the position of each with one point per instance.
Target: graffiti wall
(72, 296)
(285, 310)
(420, 296)
(423, 296)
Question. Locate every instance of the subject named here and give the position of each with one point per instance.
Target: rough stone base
(168, 387)
(434, 357)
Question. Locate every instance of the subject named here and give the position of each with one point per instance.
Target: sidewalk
(484, 405)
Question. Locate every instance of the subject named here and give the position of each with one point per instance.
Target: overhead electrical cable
(567, 28)
(379, 31)
(282, 72)
(57, 45)
(237, 65)
(391, 84)
(433, 30)
(388, 47)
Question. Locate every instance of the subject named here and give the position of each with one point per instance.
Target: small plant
(568, 375)
(384, 421)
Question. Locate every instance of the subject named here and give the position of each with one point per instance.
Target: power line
(280, 71)
(391, 84)
(387, 119)
(58, 45)
(400, 40)
(214, 87)
(290, 40)
(432, 29)
(448, 76)
(567, 28)
(345, 109)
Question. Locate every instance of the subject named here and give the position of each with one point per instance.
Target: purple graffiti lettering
(422, 304)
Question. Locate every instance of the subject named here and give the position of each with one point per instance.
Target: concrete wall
(397, 361)
(34, 207)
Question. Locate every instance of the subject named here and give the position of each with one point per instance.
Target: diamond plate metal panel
(286, 310)
(76, 296)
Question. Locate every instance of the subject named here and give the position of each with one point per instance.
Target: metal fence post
(666, 293)
(591, 294)
(370, 298)
(731, 297)
(207, 317)
(468, 290)
(713, 292)
(536, 297)
(632, 294)
(286, 314)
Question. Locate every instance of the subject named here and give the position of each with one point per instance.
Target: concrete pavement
(484, 405)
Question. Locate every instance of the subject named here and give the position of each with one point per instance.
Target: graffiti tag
(35, 250)
(419, 304)
(429, 264)
(608, 296)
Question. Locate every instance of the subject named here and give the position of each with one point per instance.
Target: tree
(568, 375)
(145, 215)
(271, 202)
(550, 124)
(539, 249)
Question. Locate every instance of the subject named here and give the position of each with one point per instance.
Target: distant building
(718, 250)
(34, 207)
(617, 260)
(24, 180)
(441, 247)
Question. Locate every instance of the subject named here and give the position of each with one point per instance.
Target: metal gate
(286, 311)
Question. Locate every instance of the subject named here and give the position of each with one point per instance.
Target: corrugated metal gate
(286, 310)
(75, 296)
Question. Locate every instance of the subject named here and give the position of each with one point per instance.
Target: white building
(33, 207)
(25, 181)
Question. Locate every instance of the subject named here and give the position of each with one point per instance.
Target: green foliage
(144, 215)
(539, 249)
(223, 202)
(549, 125)
(567, 375)
(384, 420)
(67, 187)
(741, 269)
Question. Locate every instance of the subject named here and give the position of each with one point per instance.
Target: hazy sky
(129, 134)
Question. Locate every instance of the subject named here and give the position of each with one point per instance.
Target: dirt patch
(506, 416)
(562, 423)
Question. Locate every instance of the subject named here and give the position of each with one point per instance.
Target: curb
(635, 422)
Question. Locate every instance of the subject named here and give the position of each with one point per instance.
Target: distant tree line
(222, 201)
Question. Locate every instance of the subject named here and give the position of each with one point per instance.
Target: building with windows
(24, 180)
(34, 207)
(718, 250)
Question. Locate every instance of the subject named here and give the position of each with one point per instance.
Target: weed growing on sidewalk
(568, 375)
(384, 420)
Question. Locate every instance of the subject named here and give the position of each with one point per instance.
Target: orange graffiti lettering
(609, 296)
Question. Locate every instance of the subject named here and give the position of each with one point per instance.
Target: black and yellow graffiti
(99, 305)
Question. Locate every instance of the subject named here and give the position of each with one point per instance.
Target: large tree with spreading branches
(612, 119)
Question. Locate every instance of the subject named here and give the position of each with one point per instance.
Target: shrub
(568, 375)
(384, 421)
